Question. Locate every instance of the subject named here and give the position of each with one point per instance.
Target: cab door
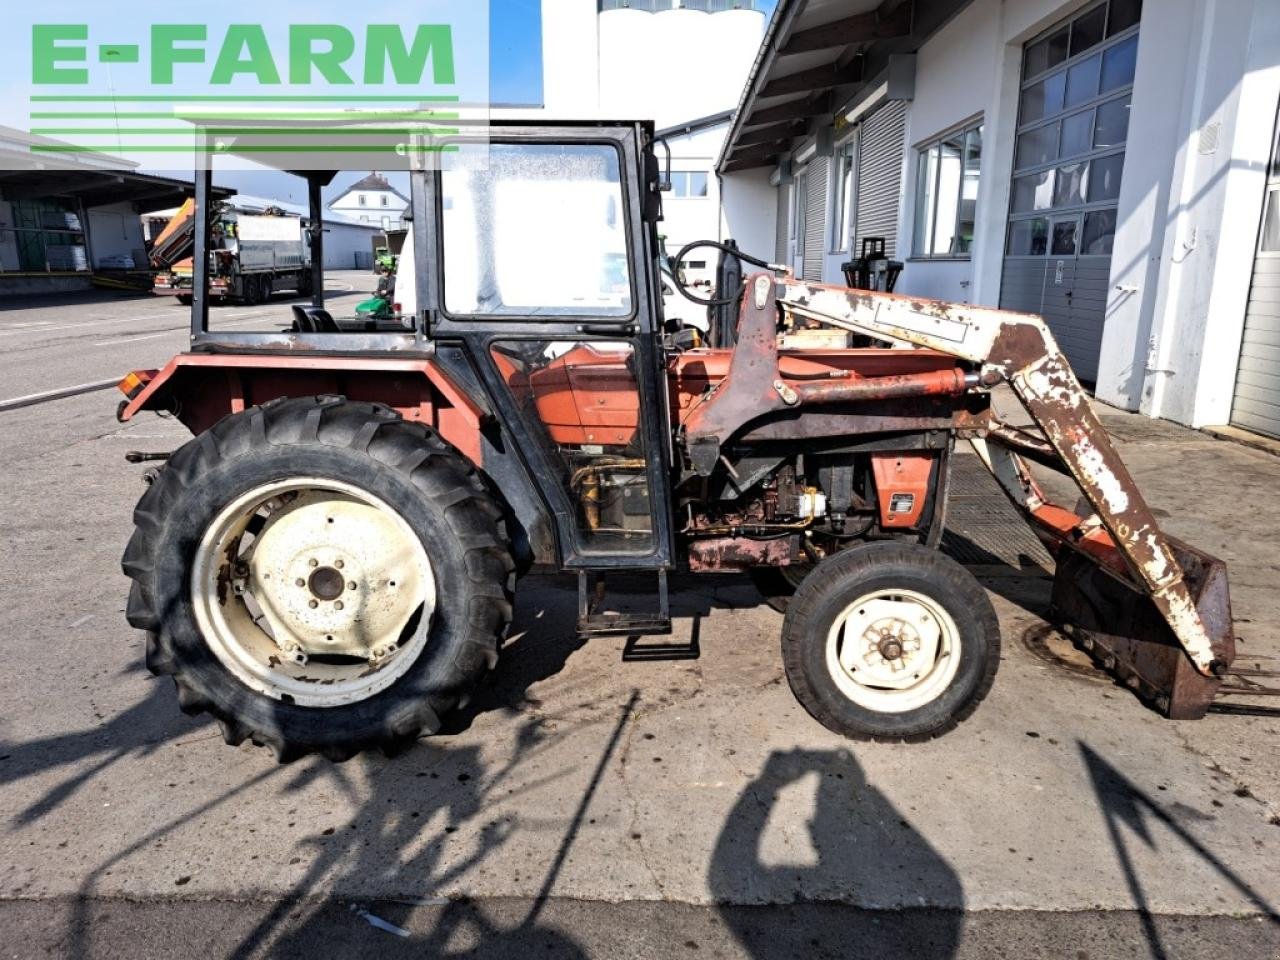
(546, 277)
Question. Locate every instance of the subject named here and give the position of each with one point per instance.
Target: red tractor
(329, 564)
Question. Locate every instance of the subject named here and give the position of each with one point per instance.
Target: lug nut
(338, 564)
(313, 562)
(300, 582)
(351, 584)
(313, 604)
(337, 604)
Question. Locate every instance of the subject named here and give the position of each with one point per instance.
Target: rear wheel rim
(313, 591)
(892, 651)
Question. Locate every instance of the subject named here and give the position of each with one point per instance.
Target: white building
(372, 200)
(1109, 164)
(679, 63)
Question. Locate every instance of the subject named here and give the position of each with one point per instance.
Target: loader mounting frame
(1120, 540)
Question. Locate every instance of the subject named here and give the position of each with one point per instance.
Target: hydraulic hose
(720, 301)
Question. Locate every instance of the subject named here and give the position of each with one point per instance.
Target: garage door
(815, 220)
(1257, 398)
(1073, 121)
(882, 142)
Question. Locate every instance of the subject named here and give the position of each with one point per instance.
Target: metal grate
(983, 528)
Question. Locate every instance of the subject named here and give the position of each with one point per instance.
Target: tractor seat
(322, 320)
(302, 323)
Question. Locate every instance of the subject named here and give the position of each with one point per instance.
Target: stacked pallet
(68, 258)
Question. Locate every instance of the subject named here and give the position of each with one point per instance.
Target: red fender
(201, 388)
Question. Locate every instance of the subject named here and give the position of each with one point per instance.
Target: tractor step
(595, 621)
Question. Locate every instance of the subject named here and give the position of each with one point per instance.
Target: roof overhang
(98, 188)
(695, 126)
(817, 60)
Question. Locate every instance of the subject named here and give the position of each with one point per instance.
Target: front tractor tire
(891, 642)
(320, 576)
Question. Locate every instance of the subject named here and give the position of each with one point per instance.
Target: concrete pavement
(632, 800)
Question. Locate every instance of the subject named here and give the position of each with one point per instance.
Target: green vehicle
(381, 306)
(386, 251)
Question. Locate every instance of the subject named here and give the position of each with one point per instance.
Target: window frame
(1087, 205)
(919, 242)
(621, 321)
(684, 177)
(843, 199)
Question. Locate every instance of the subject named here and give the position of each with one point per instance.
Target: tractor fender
(201, 388)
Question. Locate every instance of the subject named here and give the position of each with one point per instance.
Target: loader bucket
(1119, 624)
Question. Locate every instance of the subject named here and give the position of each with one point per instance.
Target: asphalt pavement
(583, 806)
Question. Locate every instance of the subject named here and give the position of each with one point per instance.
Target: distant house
(372, 200)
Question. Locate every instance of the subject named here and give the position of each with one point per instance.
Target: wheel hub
(331, 597)
(333, 577)
(327, 583)
(892, 651)
(891, 648)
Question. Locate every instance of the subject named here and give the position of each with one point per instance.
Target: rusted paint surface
(1120, 626)
(726, 554)
(201, 388)
(756, 386)
(1019, 349)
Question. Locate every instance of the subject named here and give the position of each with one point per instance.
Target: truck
(250, 255)
(329, 564)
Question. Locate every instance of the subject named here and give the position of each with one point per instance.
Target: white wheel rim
(893, 650)
(317, 607)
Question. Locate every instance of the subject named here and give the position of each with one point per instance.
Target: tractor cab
(512, 271)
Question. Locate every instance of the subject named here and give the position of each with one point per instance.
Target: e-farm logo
(316, 51)
(289, 89)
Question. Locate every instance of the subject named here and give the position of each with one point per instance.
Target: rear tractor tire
(320, 576)
(890, 641)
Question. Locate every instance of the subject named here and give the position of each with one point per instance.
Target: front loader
(329, 564)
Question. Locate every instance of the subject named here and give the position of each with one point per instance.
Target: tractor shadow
(543, 636)
(131, 736)
(422, 823)
(1133, 817)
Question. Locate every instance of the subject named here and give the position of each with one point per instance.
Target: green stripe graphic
(238, 98)
(234, 131)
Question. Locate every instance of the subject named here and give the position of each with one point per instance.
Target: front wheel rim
(313, 591)
(892, 651)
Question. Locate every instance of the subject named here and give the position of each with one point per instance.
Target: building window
(947, 173)
(383, 199)
(842, 198)
(362, 200)
(688, 183)
(1073, 122)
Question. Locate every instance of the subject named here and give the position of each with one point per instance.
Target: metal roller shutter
(815, 218)
(883, 146)
(1257, 399)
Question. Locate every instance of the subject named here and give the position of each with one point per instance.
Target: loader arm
(1020, 350)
